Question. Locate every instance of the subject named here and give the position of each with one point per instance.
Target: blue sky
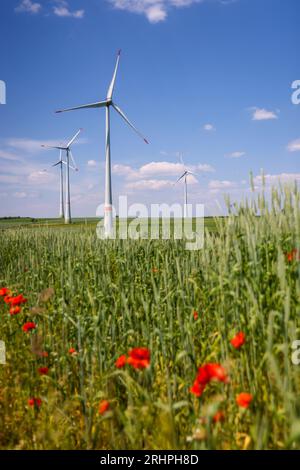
(210, 79)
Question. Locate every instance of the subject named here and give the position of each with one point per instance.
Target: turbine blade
(181, 158)
(58, 163)
(100, 104)
(70, 166)
(192, 173)
(73, 138)
(112, 84)
(73, 161)
(129, 123)
(180, 178)
(53, 147)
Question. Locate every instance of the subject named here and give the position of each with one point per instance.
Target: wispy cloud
(209, 127)
(294, 146)
(156, 11)
(262, 114)
(271, 179)
(28, 145)
(28, 6)
(151, 184)
(20, 195)
(92, 163)
(62, 10)
(34, 146)
(236, 155)
(218, 184)
(5, 155)
(158, 169)
(41, 177)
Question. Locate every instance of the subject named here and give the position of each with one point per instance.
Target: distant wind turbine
(184, 176)
(69, 156)
(108, 216)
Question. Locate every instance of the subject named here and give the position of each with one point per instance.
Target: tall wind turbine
(185, 176)
(69, 158)
(61, 199)
(61, 189)
(108, 216)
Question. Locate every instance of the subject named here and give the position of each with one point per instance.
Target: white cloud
(294, 146)
(9, 179)
(27, 6)
(205, 168)
(28, 145)
(209, 127)
(62, 10)
(217, 184)
(262, 114)
(273, 179)
(161, 168)
(35, 146)
(40, 177)
(92, 163)
(152, 184)
(236, 154)
(158, 169)
(20, 195)
(9, 156)
(154, 10)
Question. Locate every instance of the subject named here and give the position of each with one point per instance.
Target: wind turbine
(107, 103)
(184, 176)
(69, 156)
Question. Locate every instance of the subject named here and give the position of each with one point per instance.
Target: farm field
(214, 330)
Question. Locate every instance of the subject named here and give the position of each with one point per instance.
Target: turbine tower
(69, 156)
(184, 176)
(107, 103)
(61, 198)
(61, 188)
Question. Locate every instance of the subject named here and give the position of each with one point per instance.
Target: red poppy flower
(238, 340)
(244, 399)
(206, 374)
(3, 291)
(216, 372)
(104, 407)
(203, 376)
(28, 326)
(18, 300)
(43, 370)
(293, 255)
(72, 351)
(7, 299)
(218, 417)
(34, 401)
(121, 361)
(197, 388)
(139, 358)
(15, 310)
(195, 315)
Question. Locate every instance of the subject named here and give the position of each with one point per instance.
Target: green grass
(110, 296)
(18, 222)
